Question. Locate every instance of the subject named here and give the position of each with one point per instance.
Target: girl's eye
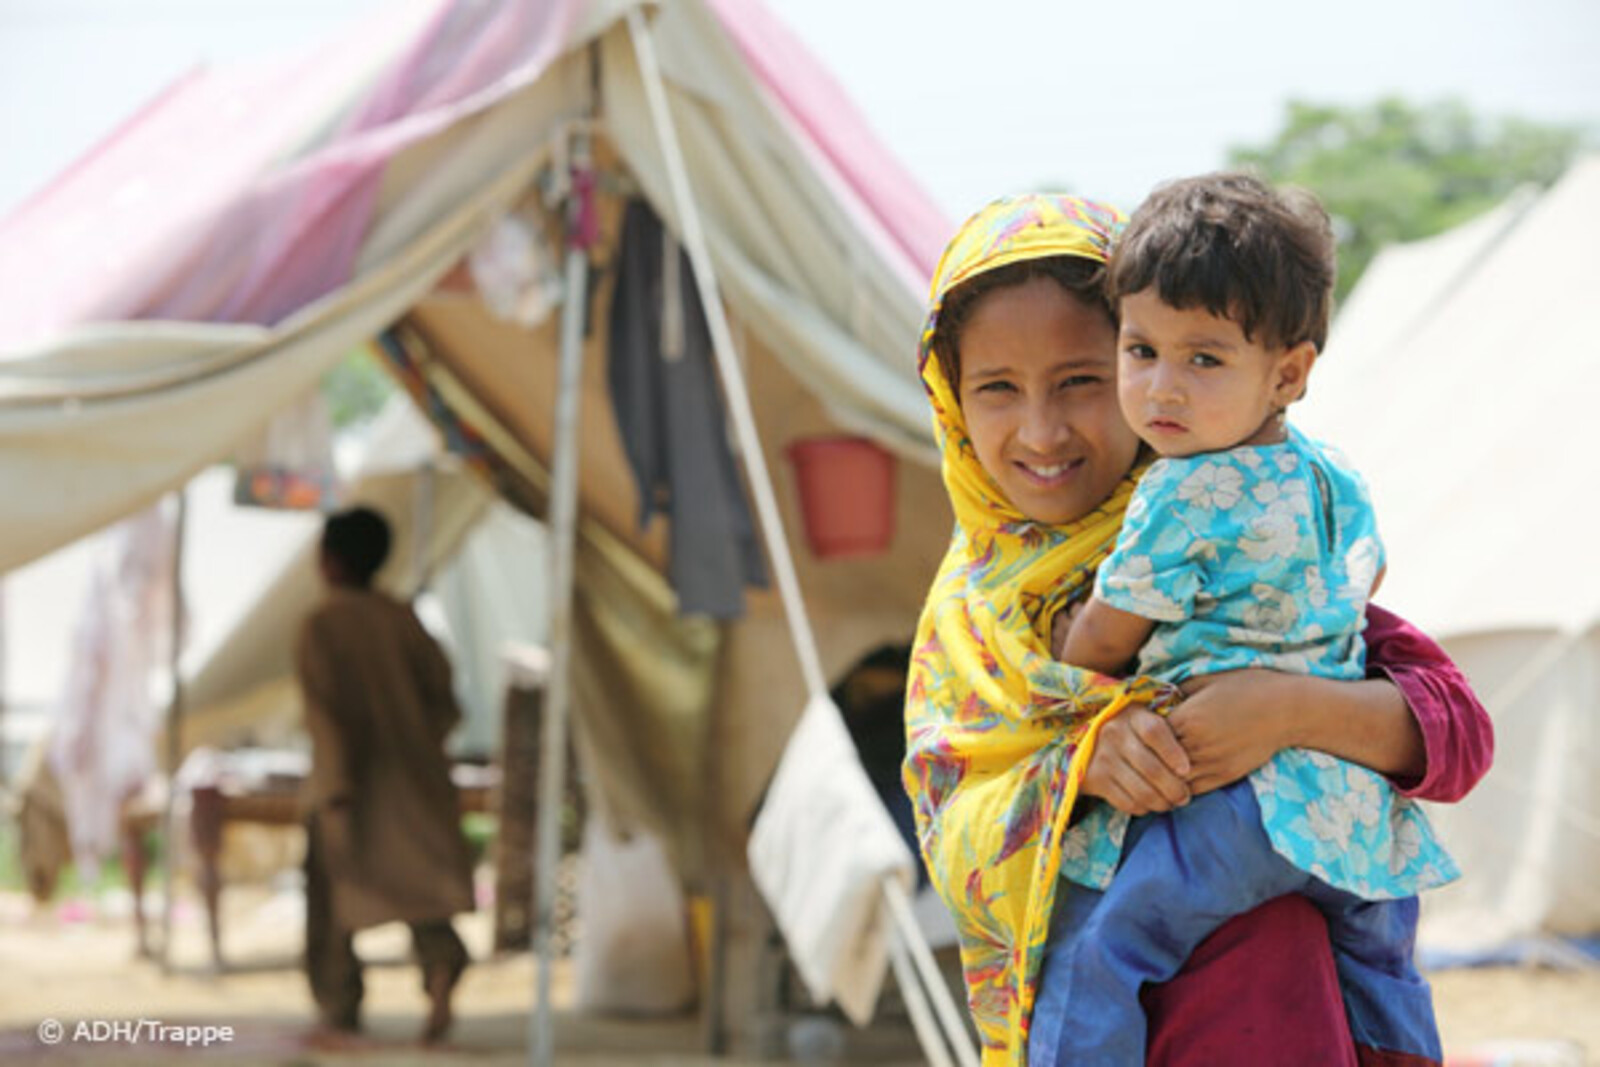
(995, 387)
(1205, 359)
(1141, 352)
(1078, 381)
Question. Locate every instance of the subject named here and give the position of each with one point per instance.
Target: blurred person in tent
(384, 840)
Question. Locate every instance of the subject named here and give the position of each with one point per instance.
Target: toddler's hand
(1061, 626)
(1230, 724)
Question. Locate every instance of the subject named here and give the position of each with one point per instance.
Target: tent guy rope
(738, 400)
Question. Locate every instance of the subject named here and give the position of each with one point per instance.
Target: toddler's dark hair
(1233, 245)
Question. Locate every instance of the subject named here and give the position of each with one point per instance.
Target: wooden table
(277, 803)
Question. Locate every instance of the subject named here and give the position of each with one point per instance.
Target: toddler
(1246, 544)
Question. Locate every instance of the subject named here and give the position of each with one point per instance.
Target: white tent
(1459, 379)
(206, 264)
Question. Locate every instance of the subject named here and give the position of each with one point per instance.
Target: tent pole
(909, 934)
(738, 399)
(563, 538)
(169, 819)
(922, 1020)
(728, 369)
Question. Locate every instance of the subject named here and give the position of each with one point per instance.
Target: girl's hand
(1229, 724)
(1138, 766)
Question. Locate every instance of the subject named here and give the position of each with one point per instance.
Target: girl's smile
(1038, 392)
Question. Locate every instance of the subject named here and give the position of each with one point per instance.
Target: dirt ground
(63, 965)
(78, 969)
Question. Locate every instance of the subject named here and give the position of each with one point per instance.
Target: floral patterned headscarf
(998, 731)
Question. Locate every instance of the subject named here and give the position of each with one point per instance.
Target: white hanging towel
(819, 852)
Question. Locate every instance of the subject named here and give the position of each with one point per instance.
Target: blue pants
(1183, 874)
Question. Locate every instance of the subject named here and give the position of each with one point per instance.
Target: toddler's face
(1038, 392)
(1191, 382)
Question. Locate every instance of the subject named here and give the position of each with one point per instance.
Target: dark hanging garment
(664, 391)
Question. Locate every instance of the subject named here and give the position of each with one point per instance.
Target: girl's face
(1039, 393)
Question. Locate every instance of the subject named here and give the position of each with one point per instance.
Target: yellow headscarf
(999, 732)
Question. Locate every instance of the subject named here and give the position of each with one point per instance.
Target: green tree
(1395, 171)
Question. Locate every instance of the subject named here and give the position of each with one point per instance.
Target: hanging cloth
(664, 393)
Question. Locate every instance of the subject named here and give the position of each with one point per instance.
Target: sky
(978, 99)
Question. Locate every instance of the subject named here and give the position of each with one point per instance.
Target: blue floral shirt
(1265, 556)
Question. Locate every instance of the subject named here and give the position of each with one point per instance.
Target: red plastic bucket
(846, 495)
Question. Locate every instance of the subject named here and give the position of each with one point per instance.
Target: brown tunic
(378, 707)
